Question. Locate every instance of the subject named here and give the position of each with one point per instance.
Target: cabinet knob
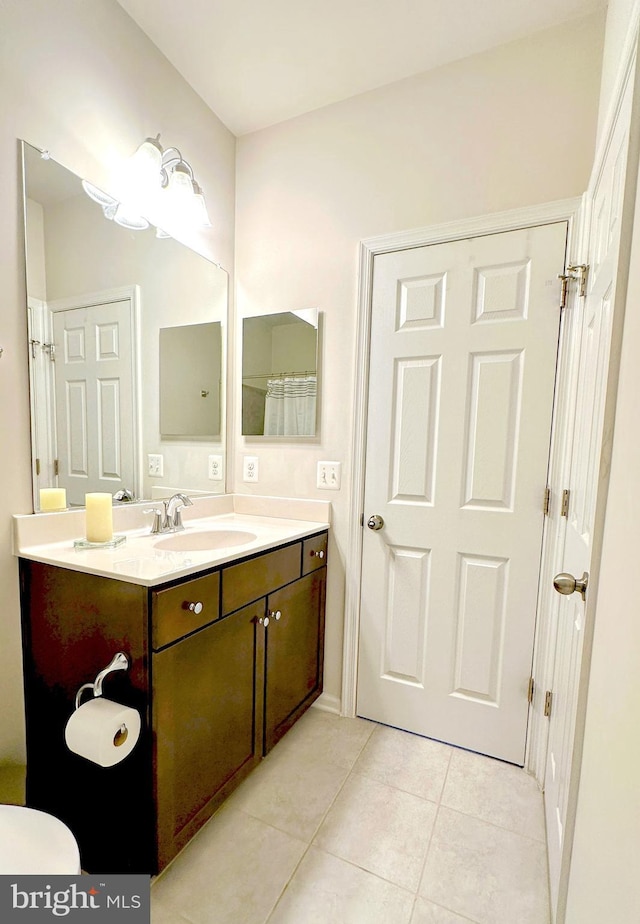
(315, 554)
(196, 608)
(264, 621)
(275, 615)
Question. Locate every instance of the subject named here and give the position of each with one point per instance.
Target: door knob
(566, 584)
(375, 522)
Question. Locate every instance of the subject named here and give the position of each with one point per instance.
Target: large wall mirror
(280, 373)
(127, 358)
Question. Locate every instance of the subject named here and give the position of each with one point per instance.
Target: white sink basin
(202, 540)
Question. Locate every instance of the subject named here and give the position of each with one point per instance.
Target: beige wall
(483, 134)
(80, 79)
(604, 884)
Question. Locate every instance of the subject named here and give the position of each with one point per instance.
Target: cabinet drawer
(172, 617)
(249, 580)
(314, 553)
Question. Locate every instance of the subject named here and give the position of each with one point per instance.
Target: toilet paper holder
(119, 662)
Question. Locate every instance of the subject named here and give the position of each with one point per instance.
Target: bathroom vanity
(224, 658)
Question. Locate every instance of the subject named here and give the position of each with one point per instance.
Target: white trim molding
(326, 702)
(562, 210)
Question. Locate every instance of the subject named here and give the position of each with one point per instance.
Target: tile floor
(349, 822)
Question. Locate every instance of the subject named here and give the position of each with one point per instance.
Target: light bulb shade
(200, 214)
(180, 186)
(199, 208)
(148, 157)
(129, 219)
(139, 177)
(178, 197)
(98, 195)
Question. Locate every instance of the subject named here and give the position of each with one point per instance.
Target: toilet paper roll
(103, 731)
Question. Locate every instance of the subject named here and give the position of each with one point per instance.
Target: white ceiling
(258, 62)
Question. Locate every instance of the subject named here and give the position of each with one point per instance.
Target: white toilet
(33, 842)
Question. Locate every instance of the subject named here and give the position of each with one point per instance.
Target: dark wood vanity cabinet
(205, 691)
(222, 665)
(293, 662)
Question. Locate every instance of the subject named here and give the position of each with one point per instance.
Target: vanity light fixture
(157, 182)
(165, 180)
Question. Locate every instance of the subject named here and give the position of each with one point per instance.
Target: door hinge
(578, 271)
(548, 699)
(37, 466)
(531, 690)
(546, 501)
(564, 511)
(56, 467)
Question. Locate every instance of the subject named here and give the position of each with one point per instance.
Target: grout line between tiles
(310, 844)
(435, 821)
(536, 840)
(463, 917)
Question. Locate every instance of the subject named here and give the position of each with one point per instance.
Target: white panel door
(462, 367)
(94, 399)
(593, 344)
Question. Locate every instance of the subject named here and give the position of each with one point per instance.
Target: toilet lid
(33, 842)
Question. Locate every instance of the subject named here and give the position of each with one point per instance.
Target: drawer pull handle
(264, 621)
(196, 608)
(319, 554)
(275, 615)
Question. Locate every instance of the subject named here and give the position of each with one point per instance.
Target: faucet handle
(157, 519)
(177, 520)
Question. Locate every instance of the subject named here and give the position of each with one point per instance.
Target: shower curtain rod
(278, 375)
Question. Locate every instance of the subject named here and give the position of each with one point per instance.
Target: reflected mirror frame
(201, 482)
(273, 376)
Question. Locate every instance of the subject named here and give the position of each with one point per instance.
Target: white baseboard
(326, 702)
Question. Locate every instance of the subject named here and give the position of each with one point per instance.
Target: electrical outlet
(215, 468)
(250, 468)
(328, 476)
(155, 465)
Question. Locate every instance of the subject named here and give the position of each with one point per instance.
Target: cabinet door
(204, 697)
(294, 656)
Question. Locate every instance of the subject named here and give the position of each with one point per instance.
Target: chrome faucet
(169, 519)
(172, 509)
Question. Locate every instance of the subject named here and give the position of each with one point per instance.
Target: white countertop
(141, 560)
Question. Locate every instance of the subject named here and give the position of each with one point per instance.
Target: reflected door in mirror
(94, 398)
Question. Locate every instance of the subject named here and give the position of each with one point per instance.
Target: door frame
(628, 74)
(569, 210)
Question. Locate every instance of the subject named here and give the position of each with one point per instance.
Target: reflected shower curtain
(290, 406)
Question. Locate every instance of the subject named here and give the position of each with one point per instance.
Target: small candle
(53, 499)
(99, 517)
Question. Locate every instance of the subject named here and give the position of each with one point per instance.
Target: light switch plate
(250, 468)
(155, 465)
(328, 476)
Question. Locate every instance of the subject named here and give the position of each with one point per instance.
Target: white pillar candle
(99, 517)
(53, 499)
